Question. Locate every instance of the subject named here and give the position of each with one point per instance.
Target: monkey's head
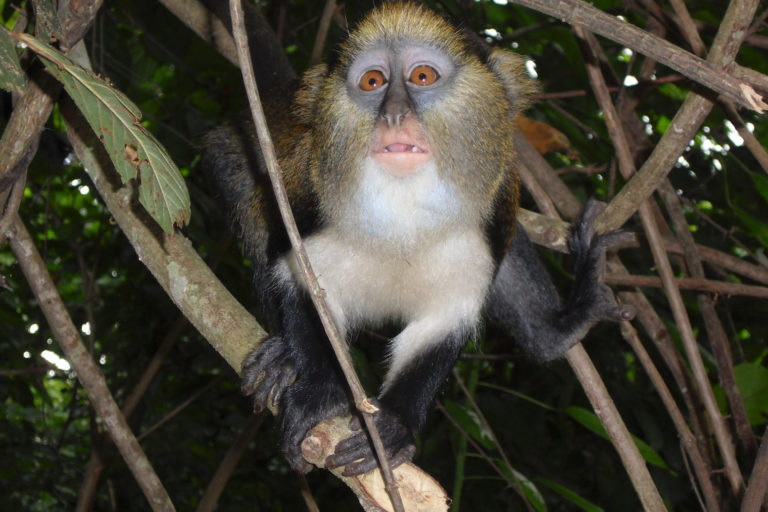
(413, 123)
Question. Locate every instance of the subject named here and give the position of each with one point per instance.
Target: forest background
(688, 376)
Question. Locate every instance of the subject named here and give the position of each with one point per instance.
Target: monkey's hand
(589, 298)
(356, 452)
(304, 395)
(267, 373)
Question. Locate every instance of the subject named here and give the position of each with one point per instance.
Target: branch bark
(88, 372)
(581, 14)
(627, 167)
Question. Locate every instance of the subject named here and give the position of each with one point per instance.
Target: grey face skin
(400, 91)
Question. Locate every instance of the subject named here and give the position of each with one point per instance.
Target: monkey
(400, 168)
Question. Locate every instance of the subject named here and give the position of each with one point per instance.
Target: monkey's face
(411, 108)
(394, 83)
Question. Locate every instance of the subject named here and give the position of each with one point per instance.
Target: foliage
(537, 413)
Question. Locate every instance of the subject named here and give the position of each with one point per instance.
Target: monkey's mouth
(399, 147)
(401, 159)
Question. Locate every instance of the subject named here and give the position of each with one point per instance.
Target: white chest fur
(401, 249)
(446, 277)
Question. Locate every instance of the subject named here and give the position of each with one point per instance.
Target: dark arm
(524, 300)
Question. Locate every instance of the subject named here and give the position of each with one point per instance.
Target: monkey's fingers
(349, 450)
(368, 463)
(272, 388)
(267, 372)
(624, 312)
(356, 453)
(609, 309)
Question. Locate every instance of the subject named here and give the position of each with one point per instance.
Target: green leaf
(756, 227)
(571, 496)
(673, 91)
(11, 76)
(470, 423)
(761, 184)
(518, 394)
(132, 148)
(752, 381)
(589, 420)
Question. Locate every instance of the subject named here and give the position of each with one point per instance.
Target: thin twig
(10, 199)
(88, 372)
(690, 283)
(362, 402)
(688, 27)
(539, 195)
(757, 490)
(209, 500)
(178, 409)
(211, 29)
(750, 140)
(617, 431)
(627, 167)
(566, 202)
(718, 340)
(487, 427)
(322, 32)
(439, 406)
(306, 493)
(686, 437)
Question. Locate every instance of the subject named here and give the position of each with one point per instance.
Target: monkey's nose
(396, 105)
(395, 119)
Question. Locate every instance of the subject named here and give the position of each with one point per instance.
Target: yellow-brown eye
(424, 75)
(372, 80)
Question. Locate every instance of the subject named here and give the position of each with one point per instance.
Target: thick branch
(582, 14)
(229, 327)
(683, 126)
(88, 371)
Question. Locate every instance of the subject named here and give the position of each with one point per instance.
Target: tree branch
(88, 372)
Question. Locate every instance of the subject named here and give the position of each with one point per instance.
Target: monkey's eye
(372, 80)
(424, 75)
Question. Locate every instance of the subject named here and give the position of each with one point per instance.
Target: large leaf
(132, 148)
(11, 75)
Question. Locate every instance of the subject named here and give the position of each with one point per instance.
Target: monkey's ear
(311, 83)
(510, 68)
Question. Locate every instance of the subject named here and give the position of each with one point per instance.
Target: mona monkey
(400, 167)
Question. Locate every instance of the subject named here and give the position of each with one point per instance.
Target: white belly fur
(434, 288)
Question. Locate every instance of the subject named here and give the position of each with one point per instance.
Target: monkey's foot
(357, 454)
(267, 373)
(311, 399)
(592, 298)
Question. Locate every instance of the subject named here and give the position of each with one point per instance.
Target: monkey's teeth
(402, 148)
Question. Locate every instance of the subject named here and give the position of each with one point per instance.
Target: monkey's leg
(296, 371)
(524, 300)
(412, 384)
